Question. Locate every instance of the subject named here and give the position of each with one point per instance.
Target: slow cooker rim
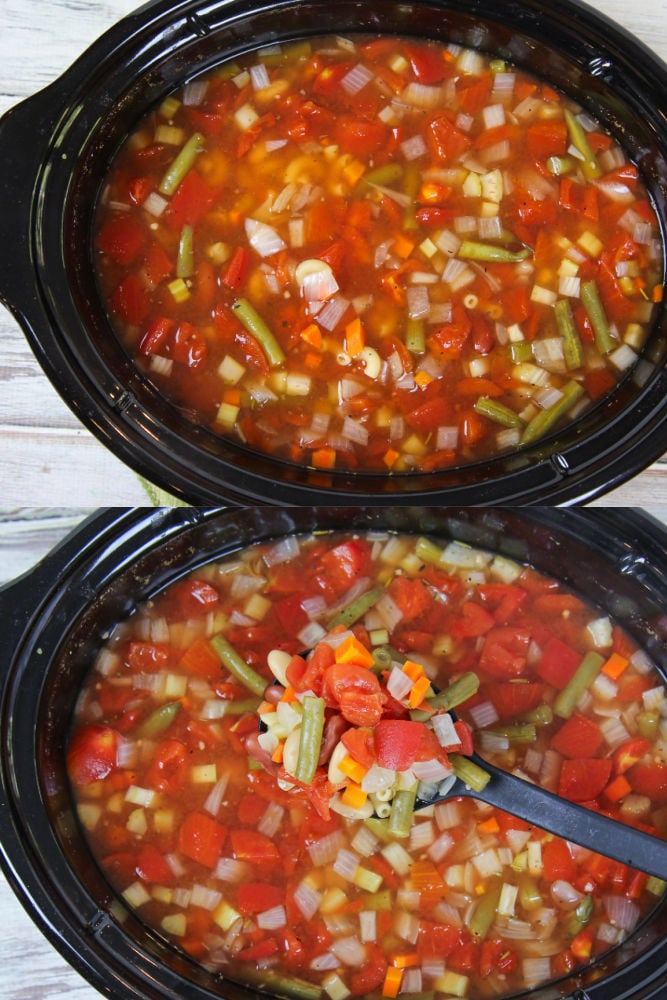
(117, 527)
(113, 413)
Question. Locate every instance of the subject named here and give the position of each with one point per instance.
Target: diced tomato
(158, 265)
(201, 659)
(344, 563)
(370, 976)
(411, 597)
(188, 346)
(122, 238)
(578, 737)
(504, 599)
(438, 939)
(290, 613)
(236, 270)
(359, 137)
(157, 336)
(131, 300)
(355, 691)
(360, 744)
(427, 63)
(201, 838)
(630, 753)
(504, 652)
(649, 780)
(496, 957)
(250, 809)
(91, 755)
(557, 862)
(546, 138)
(255, 897)
(151, 866)
(397, 743)
(558, 663)
(168, 768)
(147, 657)
(189, 599)
(475, 621)
(583, 779)
(192, 200)
(261, 949)
(514, 698)
(254, 847)
(445, 140)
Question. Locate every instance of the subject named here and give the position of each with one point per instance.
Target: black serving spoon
(559, 816)
(544, 809)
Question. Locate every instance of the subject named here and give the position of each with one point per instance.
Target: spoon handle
(576, 823)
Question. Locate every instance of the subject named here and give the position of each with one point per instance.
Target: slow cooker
(58, 614)
(56, 148)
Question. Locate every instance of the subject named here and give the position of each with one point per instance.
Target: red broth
(377, 254)
(270, 880)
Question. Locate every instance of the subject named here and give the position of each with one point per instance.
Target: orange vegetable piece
(351, 650)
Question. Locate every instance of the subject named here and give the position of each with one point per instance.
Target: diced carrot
(312, 335)
(355, 340)
(312, 360)
(392, 982)
(657, 293)
(418, 692)
(615, 666)
(618, 789)
(277, 755)
(350, 650)
(353, 769)
(402, 246)
(324, 458)
(489, 826)
(423, 379)
(413, 670)
(289, 694)
(232, 396)
(265, 708)
(405, 961)
(391, 456)
(354, 796)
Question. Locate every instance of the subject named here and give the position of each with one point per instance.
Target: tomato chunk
(92, 754)
(582, 780)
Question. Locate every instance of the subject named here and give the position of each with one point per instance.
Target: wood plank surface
(46, 454)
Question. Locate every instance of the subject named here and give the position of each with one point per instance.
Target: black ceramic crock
(56, 616)
(56, 147)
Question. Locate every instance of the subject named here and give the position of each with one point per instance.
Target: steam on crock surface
(251, 868)
(378, 254)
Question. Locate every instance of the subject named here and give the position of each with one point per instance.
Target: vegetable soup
(247, 748)
(377, 254)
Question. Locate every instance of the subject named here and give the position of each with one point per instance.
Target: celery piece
(472, 250)
(402, 811)
(386, 175)
(581, 680)
(590, 300)
(381, 900)
(357, 609)
(573, 351)
(237, 666)
(428, 552)
(520, 351)
(180, 165)
(559, 165)
(541, 716)
(185, 261)
(648, 724)
(414, 336)
(525, 733)
(254, 324)
(380, 827)
(530, 897)
(470, 773)
(159, 721)
(486, 909)
(498, 412)
(579, 140)
(411, 184)
(310, 741)
(546, 419)
(457, 692)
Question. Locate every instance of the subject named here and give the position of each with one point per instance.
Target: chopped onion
(356, 79)
(325, 850)
(194, 92)
(349, 951)
(484, 714)
(216, 795)
(259, 76)
(355, 431)
(272, 919)
(333, 312)
(493, 115)
(264, 239)
(430, 770)
(414, 147)
(284, 550)
(422, 95)
(418, 301)
(622, 912)
(447, 438)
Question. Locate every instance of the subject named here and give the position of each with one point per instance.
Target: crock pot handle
(24, 136)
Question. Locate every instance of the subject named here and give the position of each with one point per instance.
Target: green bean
(546, 419)
(402, 811)
(573, 351)
(486, 909)
(380, 827)
(159, 721)
(581, 916)
(472, 250)
(278, 985)
(411, 183)
(590, 300)
(428, 552)
(497, 412)
(185, 262)
(516, 734)
(414, 336)
(254, 324)
(237, 666)
(310, 741)
(386, 175)
(581, 680)
(469, 772)
(457, 692)
(180, 165)
(647, 725)
(357, 609)
(382, 657)
(242, 707)
(530, 896)
(579, 140)
(541, 716)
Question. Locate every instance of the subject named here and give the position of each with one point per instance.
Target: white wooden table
(46, 455)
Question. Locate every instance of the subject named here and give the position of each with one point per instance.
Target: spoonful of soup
(366, 732)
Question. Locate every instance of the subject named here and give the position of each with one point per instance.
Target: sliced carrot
(355, 339)
(350, 650)
(615, 666)
(618, 789)
(354, 796)
(419, 691)
(324, 458)
(392, 982)
(353, 769)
